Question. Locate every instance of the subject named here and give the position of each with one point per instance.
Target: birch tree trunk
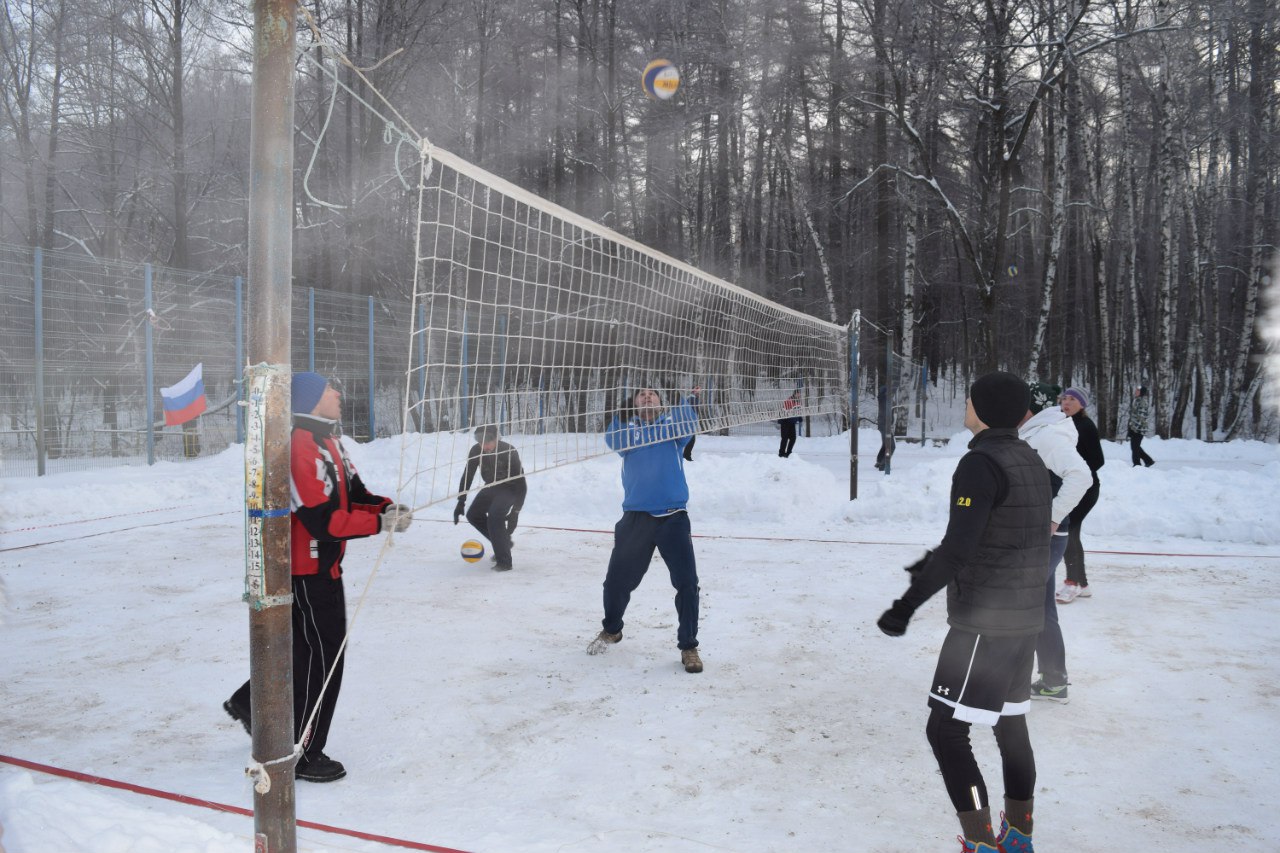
(1056, 132)
(1165, 389)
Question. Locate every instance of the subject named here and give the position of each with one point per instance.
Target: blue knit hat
(307, 389)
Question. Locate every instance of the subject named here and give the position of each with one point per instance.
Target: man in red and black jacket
(330, 505)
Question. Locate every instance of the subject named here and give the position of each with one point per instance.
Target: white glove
(396, 517)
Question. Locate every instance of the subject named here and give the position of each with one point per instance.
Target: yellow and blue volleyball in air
(472, 551)
(660, 79)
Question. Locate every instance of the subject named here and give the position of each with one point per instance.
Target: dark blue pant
(488, 514)
(634, 538)
(1051, 651)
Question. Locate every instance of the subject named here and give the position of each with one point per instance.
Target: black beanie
(1000, 399)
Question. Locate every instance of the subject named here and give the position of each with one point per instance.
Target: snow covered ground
(471, 717)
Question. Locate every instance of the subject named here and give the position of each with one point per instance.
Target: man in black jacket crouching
(992, 561)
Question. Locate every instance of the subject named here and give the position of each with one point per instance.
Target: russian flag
(185, 400)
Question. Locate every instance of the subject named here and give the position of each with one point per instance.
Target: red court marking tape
(217, 807)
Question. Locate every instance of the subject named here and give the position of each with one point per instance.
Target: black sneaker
(319, 767)
(239, 713)
(501, 567)
(1040, 690)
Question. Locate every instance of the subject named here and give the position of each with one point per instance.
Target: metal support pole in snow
(240, 377)
(38, 300)
(854, 325)
(150, 369)
(269, 588)
(373, 432)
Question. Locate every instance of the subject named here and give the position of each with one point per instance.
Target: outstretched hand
(396, 517)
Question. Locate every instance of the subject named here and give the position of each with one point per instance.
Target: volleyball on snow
(472, 551)
(660, 79)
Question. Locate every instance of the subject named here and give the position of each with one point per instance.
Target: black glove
(459, 509)
(513, 518)
(918, 566)
(894, 620)
(396, 517)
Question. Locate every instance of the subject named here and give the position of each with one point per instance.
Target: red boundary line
(218, 807)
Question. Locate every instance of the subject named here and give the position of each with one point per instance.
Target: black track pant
(950, 741)
(1074, 558)
(319, 624)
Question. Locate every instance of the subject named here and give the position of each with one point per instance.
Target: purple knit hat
(1081, 397)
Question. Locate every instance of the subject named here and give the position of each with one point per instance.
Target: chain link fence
(86, 345)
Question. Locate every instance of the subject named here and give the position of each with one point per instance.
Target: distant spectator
(887, 442)
(788, 424)
(1139, 420)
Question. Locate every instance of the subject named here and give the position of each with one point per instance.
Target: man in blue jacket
(651, 443)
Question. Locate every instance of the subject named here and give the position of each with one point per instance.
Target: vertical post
(311, 329)
(854, 326)
(924, 397)
(465, 422)
(422, 365)
(373, 432)
(500, 409)
(150, 391)
(38, 302)
(268, 580)
(886, 413)
(239, 369)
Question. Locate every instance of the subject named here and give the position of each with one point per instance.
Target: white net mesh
(531, 319)
(541, 323)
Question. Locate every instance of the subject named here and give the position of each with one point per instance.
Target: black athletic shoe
(319, 767)
(239, 713)
(1040, 690)
(502, 567)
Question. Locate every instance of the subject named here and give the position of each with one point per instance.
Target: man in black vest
(992, 561)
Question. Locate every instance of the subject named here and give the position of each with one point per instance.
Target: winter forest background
(1080, 191)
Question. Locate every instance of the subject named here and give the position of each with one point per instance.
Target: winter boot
(691, 660)
(318, 767)
(1015, 827)
(602, 642)
(239, 713)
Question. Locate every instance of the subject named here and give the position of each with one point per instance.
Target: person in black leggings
(1074, 402)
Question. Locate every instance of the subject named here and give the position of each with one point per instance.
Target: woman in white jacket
(1052, 434)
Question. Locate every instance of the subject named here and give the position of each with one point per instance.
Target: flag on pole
(185, 400)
